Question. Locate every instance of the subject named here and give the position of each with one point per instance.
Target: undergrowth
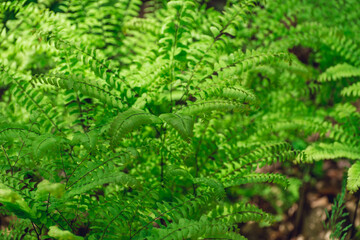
(132, 120)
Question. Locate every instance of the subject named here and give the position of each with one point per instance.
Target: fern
(258, 178)
(127, 121)
(339, 71)
(353, 182)
(183, 124)
(85, 86)
(336, 150)
(155, 119)
(208, 106)
(353, 90)
(336, 218)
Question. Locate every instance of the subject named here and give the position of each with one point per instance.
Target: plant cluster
(132, 120)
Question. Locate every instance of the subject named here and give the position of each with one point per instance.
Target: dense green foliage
(124, 120)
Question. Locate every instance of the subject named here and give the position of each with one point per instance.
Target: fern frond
(259, 157)
(339, 71)
(101, 67)
(183, 124)
(15, 230)
(245, 61)
(84, 85)
(240, 212)
(46, 144)
(257, 178)
(32, 100)
(10, 132)
(131, 119)
(120, 178)
(346, 111)
(209, 106)
(174, 171)
(234, 93)
(220, 224)
(353, 90)
(177, 210)
(214, 184)
(15, 203)
(143, 25)
(344, 46)
(16, 182)
(336, 218)
(335, 150)
(96, 169)
(315, 125)
(353, 181)
(238, 63)
(189, 229)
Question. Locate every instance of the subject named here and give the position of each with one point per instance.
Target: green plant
(337, 218)
(132, 120)
(116, 130)
(318, 94)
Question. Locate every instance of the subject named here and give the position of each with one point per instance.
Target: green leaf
(129, 120)
(59, 234)
(215, 31)
(15, 203)
(175, 4)
(183, 124)
(55, 189)
(353, 182)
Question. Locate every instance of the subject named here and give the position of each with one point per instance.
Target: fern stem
(62, 162)
(67, 222)
(162, 160)
(87, 173)
(98, 61)
(18, 156)
(47, 211)
(162, 214)
(57, 223)
(122, 210)
(77, 166)
(37, 234)
(137, 207)
(7, 157)
(22, 146)
(196, 156)
(82, 121)
(39, 107)
(172, 70)
(162, 167)
(77, 96)
(203, 56)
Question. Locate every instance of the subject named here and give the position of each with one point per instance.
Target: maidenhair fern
(140, 119)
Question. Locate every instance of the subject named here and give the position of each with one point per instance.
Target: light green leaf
(353, 183)
(183, 124)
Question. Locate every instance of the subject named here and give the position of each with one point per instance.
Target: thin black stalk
(162, 159)
(37, 234)
(8, 159)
